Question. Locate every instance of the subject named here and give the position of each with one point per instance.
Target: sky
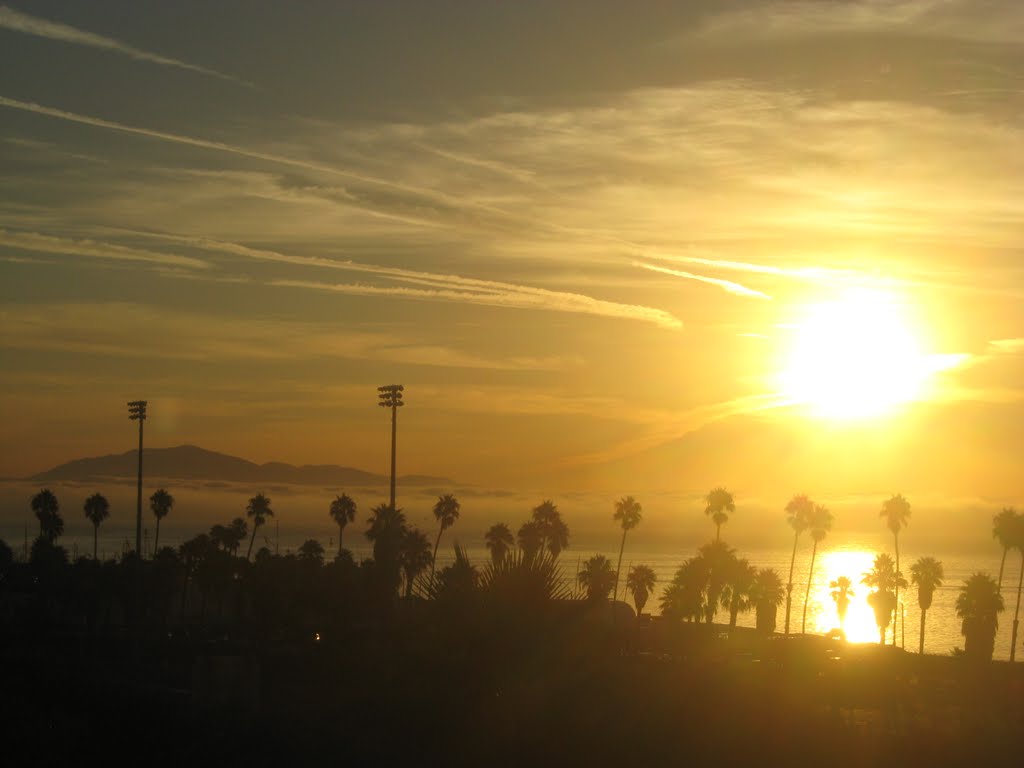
(589, 238)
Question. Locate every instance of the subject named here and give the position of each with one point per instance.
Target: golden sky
(774, 246)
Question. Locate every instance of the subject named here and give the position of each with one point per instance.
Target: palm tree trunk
(1002, 565)
(618, 568)
(248, 555)
(341, 530)
(807, 597)
(95, 536)
(789, 584)
(718, 532)
(1016, 611)
(156, 541)
(896, 610)
(920, 645)
(433, 560)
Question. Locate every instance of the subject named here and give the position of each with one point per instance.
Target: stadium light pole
(137, 412)
(391, 397)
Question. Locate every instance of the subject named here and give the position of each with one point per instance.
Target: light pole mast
(137, 412)
(391, 397)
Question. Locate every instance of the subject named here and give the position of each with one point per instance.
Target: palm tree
(720, 505)
(1017, 541)
(160, 504)
(446, 512)
(736, 597)
(237, 531)
(927, 574)
(386, 531)
(896, 511)
(343, 512)
(531, 539)
(842, 592)
(553, 531)
(720, 558)
(414, 556)
(885, 579)
(684, 597)
(1003, 528)
(799, 511)
(627, 512)
(597, 577)
(458, 581)
(499, 541)
(47, 511)
(97, 509)
(978, 606)
(820, 525)
(640, 583)
(312, 551)
(766, 594)
(259, 510)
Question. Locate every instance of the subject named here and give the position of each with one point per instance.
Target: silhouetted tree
(237, 532)
(531, 539)
(927, 574)
(554, 532)
(343, 512)
(628, 514)
(415, 556)
(458, 581)
(798, 514)
(521, 585)
(978, 606)
(885, 579)
(1003, 528)
(160, 504)
(258, 510)
(736, 594)
(820, 524)
(640, 583)
(386, 529)
(767, 595)
(684, 596)
(720, 559)
(97, 509)
(896, 512)
(192, 553)
(720, 504)
(6, 558)
(446, 512)
(312, 551)
(841, 593)
(597, 577)
(1017, 542)
(499, 541)
(47, 511)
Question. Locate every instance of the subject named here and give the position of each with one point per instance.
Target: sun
(858, 356)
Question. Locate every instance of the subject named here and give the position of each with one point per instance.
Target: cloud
(727, 285)
(17, 21)
(32, 241)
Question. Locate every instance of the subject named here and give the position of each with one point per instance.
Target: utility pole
(137, 412)
(391, 397)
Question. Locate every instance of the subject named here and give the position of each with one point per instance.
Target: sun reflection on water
(860, 624)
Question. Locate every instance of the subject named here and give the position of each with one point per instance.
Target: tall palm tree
(47, 511)
(237, 531)
(597, 577)
(885, 579)
(1017, 540)
(720, 504)
(896, 511)
(343, 512)
(97, 509)
(720, 559)
(684, 597)
(553, 530)
(841, 593)
(160, 504)
(766, 594)
(446, 512)
(258, 510)
(414, 556)
(978, 606)
(798, 514)
(1003, 527)
(640, 583)
(627, 512)
(386, 529)
(530, 539)
(820, 525)
(927, 574)
(499, 541)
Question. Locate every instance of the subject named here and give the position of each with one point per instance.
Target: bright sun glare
(856, 357)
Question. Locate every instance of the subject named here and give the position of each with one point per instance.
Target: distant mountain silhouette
(190, 462)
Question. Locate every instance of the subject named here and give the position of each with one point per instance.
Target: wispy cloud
(33, 241)
(17, 21)
(727, 285)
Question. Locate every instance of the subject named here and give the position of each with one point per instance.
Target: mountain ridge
(191, 462)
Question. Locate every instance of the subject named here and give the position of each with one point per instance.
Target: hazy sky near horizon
(583, 235)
